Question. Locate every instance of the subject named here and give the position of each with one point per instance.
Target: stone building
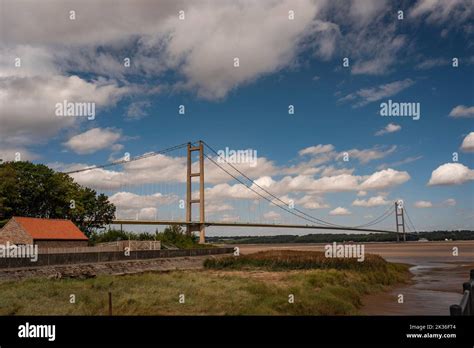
(46, 233)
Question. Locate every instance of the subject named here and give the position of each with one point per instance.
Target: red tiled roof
(50, 228)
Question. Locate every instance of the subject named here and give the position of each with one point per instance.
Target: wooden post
(467, 287)
(455, 310)
(110, 303)
(471, 282)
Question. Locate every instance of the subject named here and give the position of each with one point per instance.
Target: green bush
(171, 235)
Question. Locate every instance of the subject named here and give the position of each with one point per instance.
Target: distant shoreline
(344, 237)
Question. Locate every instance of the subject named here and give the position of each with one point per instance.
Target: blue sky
(282, 63)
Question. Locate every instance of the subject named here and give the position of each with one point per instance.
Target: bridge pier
(400, 220)
(190, 226)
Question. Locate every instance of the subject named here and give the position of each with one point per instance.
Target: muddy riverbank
(438, 274)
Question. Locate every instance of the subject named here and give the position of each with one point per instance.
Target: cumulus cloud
(339, 211)
(311, 202)
(371, 202)
(93, 140)
(390, 128)
(384, 178)
(423, 204)
(229, 30)
(133, 206)
(128, 200)
(23, 97)
(461, 111)
(468, 143)
(316, 150)
(451, 174)
(311, 187)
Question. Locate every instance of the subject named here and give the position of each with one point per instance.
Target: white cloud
(365, 96)
(332, 171)
(367, 155)
(390, 128)
(93, 140)
(316, 150)
(212, 208)
(231, 29)
(462, 111)
(399, 163)
(384, 179)
(222, 191)
(311, 186)
(451, 174)
(468, 143)
(385, 45)
(133, 206)
(441, 11)
(137, 109)
(339, 211)
(450, 202)
(371, 202)
(311, 202)
(128, 200)
(432, 63)
(423, 204)
(271, 215)
(214, 174)
(22, 97)
(147, 213)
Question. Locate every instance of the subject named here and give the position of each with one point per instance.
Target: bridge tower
(190, 225)
(400, 219)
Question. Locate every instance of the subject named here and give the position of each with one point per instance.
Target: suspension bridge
(157, 167)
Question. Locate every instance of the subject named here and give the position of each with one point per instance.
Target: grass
(258, 284)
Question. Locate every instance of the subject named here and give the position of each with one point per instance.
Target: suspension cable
(122, 161)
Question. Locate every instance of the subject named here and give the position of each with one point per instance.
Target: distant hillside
(324, 238)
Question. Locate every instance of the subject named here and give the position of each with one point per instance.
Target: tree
(34, 190)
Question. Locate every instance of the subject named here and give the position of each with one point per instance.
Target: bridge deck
(241, 224)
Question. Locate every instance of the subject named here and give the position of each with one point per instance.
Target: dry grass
(259, 284)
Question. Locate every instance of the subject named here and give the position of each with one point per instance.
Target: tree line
(35, 190)
(344, 237)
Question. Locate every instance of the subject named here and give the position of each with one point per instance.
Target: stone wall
(94, 257)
